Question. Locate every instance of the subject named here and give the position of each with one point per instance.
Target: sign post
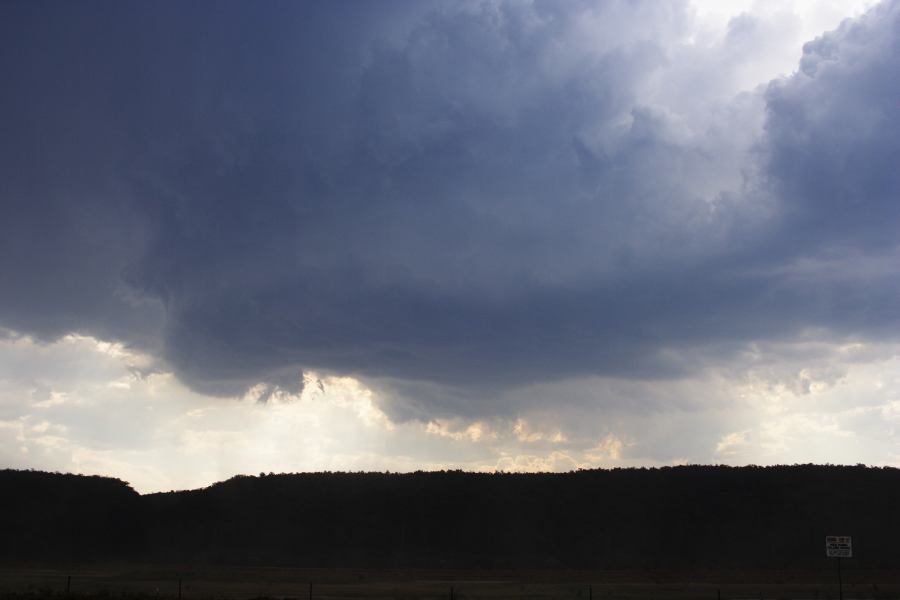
(839, 546)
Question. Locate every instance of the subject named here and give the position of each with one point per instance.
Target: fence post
(310, 590)
(590, 592)
(179, 588)
(840, 581)
(68, 585)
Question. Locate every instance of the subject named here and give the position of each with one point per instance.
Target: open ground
(237, 583)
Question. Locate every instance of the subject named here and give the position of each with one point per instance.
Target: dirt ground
(237, 583)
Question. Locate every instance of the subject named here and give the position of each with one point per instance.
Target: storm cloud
(449, 200)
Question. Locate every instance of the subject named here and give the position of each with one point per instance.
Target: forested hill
(679, 517)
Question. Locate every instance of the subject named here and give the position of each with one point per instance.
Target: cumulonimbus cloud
(442, 196)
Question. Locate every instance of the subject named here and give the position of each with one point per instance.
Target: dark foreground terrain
(681, 532)
(114, 582)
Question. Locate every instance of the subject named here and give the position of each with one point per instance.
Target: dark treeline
(697, 517)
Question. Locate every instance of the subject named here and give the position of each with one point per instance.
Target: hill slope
(679, 517)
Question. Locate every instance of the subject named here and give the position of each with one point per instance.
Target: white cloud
(457, 429)
(525, 432)
(609, 449)
(777, 404)
(556, 461)
(732, 445)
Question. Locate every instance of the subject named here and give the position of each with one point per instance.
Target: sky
(523, 236)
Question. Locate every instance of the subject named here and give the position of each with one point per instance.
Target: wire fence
(337, 584)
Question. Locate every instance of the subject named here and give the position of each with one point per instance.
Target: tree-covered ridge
(674, 517)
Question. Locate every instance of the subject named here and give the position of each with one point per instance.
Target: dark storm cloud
(833, 137)
(459, 194)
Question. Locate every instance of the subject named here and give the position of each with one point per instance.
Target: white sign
(840, 546)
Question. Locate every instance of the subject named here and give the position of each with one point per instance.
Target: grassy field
(227, 583)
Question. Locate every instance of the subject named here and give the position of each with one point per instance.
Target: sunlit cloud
(159, 435)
